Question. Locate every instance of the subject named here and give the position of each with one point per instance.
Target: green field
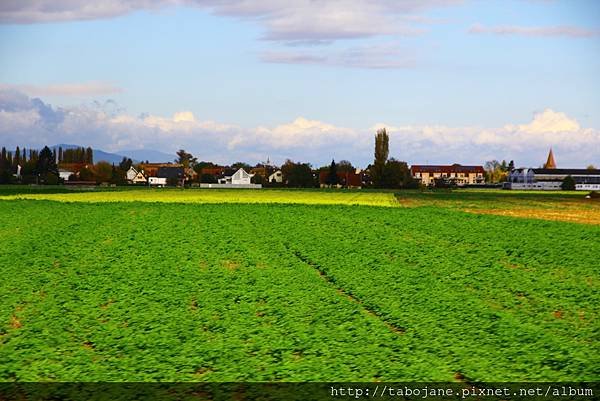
(200, 285)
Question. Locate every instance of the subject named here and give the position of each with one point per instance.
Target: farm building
(551, 179)
(455, 173)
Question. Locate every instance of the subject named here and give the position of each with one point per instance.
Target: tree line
(42, 167)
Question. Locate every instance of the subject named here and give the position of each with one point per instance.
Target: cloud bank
(26, 121)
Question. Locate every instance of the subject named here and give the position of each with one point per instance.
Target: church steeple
(550, 163)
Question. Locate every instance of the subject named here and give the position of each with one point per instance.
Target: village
(75, 167)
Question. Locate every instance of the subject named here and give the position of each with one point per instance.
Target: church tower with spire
(550, 163)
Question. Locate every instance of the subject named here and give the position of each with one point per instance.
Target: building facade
(551, 179)
(454, 174)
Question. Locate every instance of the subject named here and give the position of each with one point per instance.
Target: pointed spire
(550, 163)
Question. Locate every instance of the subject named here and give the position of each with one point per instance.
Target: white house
(131, 174)
(240, 177)
(276, 177)
(64, 174)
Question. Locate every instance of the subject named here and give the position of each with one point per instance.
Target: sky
(310, 80)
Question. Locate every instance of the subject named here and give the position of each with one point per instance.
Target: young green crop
(137, 291)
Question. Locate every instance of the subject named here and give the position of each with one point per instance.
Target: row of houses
(547, 178)
(163, 174)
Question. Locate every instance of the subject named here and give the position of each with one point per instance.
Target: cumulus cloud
(26, 121)
(562, 30)
(67, 89)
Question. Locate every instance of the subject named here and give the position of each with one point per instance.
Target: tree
(45, 166)
(125, 164)
(89, 156)
(332, 178)
(86, 174)
(397, 174)
(103, 172)
(511, 165)
(495, 172)
(298, 175)
(568, 184)
(185, 159)
(591, 167)
(208, 179)
(345, 166)
(382, 150)
(238, 165)
(257, 179)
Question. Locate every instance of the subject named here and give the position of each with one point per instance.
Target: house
(550, 179)
(131, 174)
(172, 174)
(276, 177)
(151, 169)
(345, 179)
(455, 173)
(65, 174)
(240, 177)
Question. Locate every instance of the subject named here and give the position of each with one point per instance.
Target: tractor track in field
(343, 292)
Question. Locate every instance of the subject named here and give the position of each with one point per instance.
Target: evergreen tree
(332, 178)
(382, 150)
(89, 156)
(46, 169)
(17, 160)
(568, 184)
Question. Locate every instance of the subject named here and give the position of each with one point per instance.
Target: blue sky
(454, 81)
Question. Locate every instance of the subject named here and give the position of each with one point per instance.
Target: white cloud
(561, 30)
(67, 89)
(550, 121)
(29, 122)
(304, 20)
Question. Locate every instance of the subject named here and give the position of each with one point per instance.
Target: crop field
(194, 285)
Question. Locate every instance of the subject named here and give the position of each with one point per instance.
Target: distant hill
(153, 156)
